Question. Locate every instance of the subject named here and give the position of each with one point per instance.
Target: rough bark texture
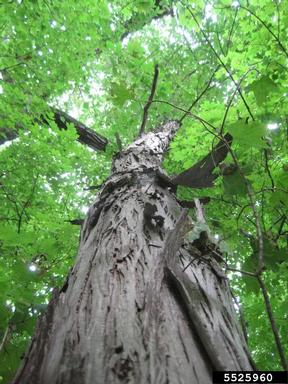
(128, 313)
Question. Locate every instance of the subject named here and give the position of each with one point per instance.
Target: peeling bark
(127, 312)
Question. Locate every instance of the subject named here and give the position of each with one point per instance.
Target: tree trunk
(125, 315)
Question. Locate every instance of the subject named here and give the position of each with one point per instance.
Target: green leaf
(251, 283)
(144, 5)
(279, 197)
(234, 184)
(120, 93)
(248, 134)
(273, 255)
(262, 88)
(93, 73)
(250, 265)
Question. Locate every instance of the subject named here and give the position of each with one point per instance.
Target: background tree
(223, 64)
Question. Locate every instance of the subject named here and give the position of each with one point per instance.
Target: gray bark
(127, 312)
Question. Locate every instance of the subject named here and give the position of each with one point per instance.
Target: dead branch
(149, 101)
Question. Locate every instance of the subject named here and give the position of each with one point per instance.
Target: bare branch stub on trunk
(201, 175)
(6, 135)
(86, 135)
(120, 317)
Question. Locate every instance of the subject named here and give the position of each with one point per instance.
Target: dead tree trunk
(126, 314)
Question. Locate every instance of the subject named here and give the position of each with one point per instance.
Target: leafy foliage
(95, 60)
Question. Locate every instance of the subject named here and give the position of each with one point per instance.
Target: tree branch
(273, 324)
(231, 100)
(283, 220)
(187, 112)
(250, 193)
(259, 270)
(268, 169)
(231, 31)
(7, 134)
(268, 29)
(221, 61)
(200, 175)
(133, 20)
(6, 336)
(118, 141)
(241, 271)
(85, 135)
(150, 100)
(200, 95)
(241, 315)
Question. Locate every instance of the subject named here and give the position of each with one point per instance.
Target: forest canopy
(76, 78)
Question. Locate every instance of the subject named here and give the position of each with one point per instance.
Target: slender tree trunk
(123, 316)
